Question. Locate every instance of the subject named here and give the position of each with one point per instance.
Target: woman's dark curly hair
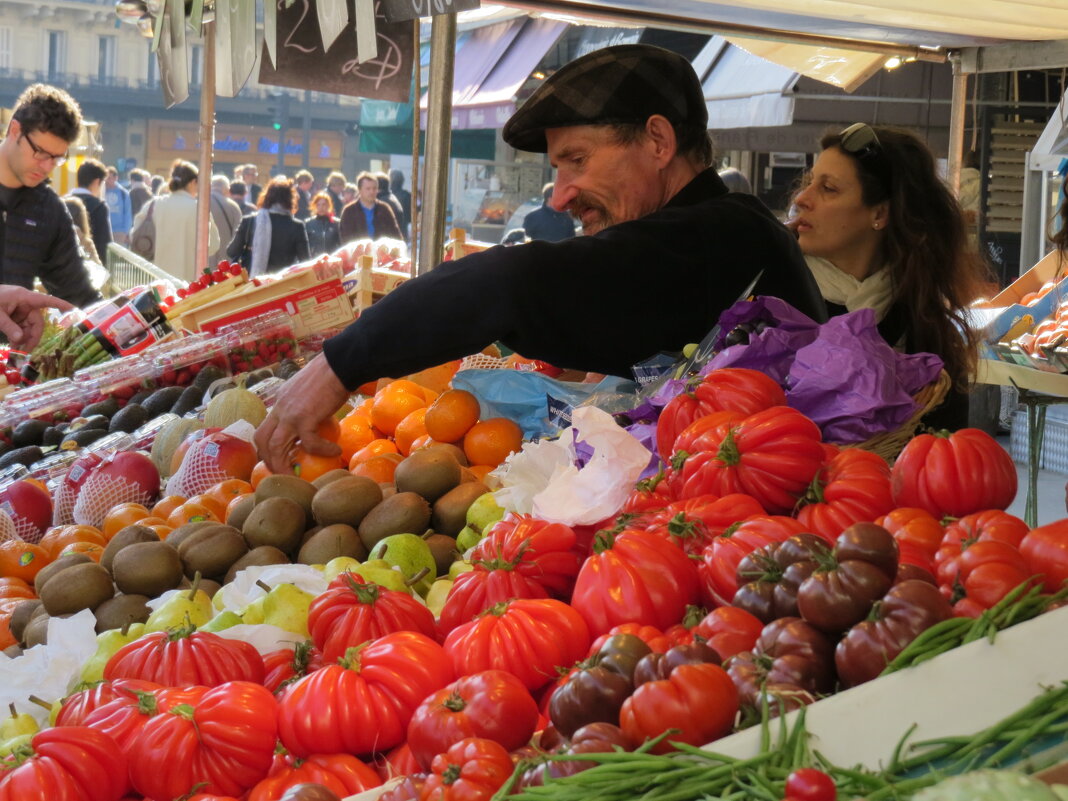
(279, 192)
(935, 271)
(1060, 239)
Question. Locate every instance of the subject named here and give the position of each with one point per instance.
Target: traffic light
(279, 111)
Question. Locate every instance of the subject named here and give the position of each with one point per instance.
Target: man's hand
(304, 401)
(21, 320)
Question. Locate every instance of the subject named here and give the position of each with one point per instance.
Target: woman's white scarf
(261, 239)
(874, 292)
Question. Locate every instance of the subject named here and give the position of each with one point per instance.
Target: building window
(196, 65)
(56, 54)
(153, 69)
(5, 48)
(105, 65)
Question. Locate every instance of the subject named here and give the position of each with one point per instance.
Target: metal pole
(207, 145)
(413, 232)
(956, 122)
(306, 132)
(438, 140)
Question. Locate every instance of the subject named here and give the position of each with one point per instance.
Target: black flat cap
(622, 84)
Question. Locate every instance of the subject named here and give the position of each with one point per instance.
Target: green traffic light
(277, 126)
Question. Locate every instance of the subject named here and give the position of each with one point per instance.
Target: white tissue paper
(243, 590)
(543, 479)
(264, 637)
(49, 671)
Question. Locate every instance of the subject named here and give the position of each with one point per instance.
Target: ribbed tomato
(695, 522)
(343, 774)
(529, 638)
(184, 657)
(536, 549)
(351, 612)
(634, 577)
(363, 703)
(916, 526)
(284, 666)
(77, 706)
(718, 568)
(772, 455)
(67, 763)
(484, 587)
(853, 487)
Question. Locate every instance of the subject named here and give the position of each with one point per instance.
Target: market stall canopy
(1052, 146)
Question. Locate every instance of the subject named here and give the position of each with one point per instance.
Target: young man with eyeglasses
(37, 236)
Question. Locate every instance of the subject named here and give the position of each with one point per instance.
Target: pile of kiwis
(286, 520)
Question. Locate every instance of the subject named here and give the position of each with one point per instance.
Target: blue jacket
(120, 209)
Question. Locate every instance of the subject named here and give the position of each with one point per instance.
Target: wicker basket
(889, 444)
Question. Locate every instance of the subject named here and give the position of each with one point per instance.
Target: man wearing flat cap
(666, 250)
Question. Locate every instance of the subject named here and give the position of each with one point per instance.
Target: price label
(401, 10)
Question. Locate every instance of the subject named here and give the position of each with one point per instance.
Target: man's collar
(703, 185)
(81, 190)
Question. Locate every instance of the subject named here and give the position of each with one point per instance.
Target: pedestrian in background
(175, 218)
(238, 191)
(546, 223)
(225, 213)
(119, 207)
(140, 193)
(387, 197)
(90, 189)
(335, 185)
(368, 217)
(322, 227)
(396, 185)
(271, 240)
(81, 228)
(304, 181)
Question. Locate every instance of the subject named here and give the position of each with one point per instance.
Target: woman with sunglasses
(880, 230)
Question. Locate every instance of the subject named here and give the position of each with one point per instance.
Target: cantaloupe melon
(232, 405)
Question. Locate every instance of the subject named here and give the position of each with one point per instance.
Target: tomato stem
(451, 774)
(454, 703)
(728, 452)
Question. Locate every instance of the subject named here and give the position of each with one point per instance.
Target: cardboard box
(989, 371)
(314, 298)
(382, 281)
(1004, 318)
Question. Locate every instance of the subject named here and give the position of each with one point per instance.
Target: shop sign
(400, 10)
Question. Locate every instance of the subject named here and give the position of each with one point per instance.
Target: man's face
(600, 182)
(336, 186)
(249, 175)
(368, 191)
(111, 180)
(304, 183)
(31, 166)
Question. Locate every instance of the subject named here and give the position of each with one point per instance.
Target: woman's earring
(875, 226)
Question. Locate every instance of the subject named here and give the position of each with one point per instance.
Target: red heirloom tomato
(492, 704)
(343, 774)
(852, 487)
(650, 635)
(989, 525)
(536, 549)
(397, 761)
(284, 666)
(698, 699)
(693, 523)
(363, 703)
(77, 706)
(1046, 551)
(649, 494)
(915, 526)
(184, 657)
(729, 630)
(985, 572)
(471, 770)
(68, 763)
(954, 474)
(222, 737)
(484, 587)
(718, 570)
(350, 613)
(908, 610)
(634, 577)
(733, 389)
(529, 638)
(124, 717)
(772, 455)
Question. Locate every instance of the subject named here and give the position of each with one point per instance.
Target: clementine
(310, 466)
(393, 405)
(452, 415)
(22, 560)
(190, 512)
(167, 505)
(121, 516)
(410, 429)
(355, 431)
(490, 441)
(379, 468)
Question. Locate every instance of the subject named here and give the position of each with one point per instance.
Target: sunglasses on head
(860, 141)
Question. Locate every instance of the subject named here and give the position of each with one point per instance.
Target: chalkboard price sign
(400, 10)
(302, 64)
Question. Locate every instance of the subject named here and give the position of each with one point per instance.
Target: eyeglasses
(42, 155)
(860, 141)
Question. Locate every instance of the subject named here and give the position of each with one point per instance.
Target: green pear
(439, 592)
(217, 600)
(381, 572)
(458, 567)
(338, 565)
(252, 613)
(286, 606)
(224, 620)
(483, 513)
(411, 554)
(194, 604)
(108, 644)
(17, 724)
(467, 539)
(10, 745)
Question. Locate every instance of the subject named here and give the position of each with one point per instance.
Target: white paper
(243, 590)
(264, 637)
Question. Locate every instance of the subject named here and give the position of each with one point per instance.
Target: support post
(957, 117)
(438, 141)
(207, 146)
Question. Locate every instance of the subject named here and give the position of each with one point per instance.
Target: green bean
(1016, 744)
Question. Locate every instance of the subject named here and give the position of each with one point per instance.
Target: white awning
(743, 90)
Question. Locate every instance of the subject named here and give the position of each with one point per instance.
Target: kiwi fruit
(292, 487)
(450, 510)
(66, 560)
(208, 586)
(403, 513)
(331, 476)
(21, 616)
(276, 521)
(329, 543)
(124, 538)
(79, 587)
(262, 555)
(444, 551)
(237, 516)
(311, 532)
(147, 568)
(211, 550)
(36, 632)
(456, 451)
(176, 537)
(121, 611)
(430, 472)
(13, 651)
(347, 500)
